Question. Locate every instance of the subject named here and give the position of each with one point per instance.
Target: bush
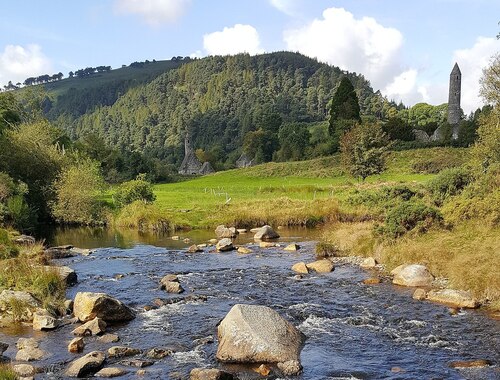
(382, 198)
(411, 216)
(78, 189)
(7, 248)
(136, 190)
(448, 183)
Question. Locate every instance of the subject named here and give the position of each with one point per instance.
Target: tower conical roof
(456, 70)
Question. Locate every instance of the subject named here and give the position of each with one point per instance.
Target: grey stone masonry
(454, 111)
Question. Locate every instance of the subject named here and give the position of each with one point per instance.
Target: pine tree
(344, 111)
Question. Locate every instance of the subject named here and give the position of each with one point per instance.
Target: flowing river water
(354, 331)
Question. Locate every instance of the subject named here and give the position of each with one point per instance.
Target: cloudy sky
(405, 48)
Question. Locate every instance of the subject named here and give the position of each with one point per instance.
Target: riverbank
(379, 327)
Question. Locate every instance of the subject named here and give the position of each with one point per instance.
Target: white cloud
(233, 40)
(289, 7)
(359, 45)
(18, 63)
(471, 62)
(154, 12)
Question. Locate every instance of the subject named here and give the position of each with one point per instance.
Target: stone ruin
(190, 164)
(244, 161)
(454, 110)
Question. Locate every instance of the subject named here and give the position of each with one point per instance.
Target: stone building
(244, 161)
(190, 164)
(454, 111)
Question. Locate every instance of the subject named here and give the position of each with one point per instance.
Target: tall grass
(467, 255)
(24, 273)
(7, 373)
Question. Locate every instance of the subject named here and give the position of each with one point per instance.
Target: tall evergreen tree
(344, 111)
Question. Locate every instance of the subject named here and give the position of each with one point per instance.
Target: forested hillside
(219, 100)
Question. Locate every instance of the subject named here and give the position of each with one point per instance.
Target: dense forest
(219, 100)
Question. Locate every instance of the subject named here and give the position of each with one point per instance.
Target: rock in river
(121, 351)
(223, 232)
(94, 327)
(3, 347)
(86, 365)
(76, 345)
(225, 244)
(266, 233)
(209, 374)
(66, 274)
(29, 350)
(111, 372)
(257, 334)
(413, 275)
(90, 305)
(321, 266)
(43, 320)
(451, 297)
(300, 268)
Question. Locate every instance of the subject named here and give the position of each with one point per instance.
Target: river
(354, 331)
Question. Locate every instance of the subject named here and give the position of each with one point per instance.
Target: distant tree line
(88, 71)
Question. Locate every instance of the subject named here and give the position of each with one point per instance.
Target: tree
(78, 189)
(344, 110)
(294, 139)
(363, 150)
(397, 129)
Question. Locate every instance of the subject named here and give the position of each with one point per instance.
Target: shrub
(78, 189)
(382, 198)
(7, 248)
(363, 150)
(136, 190)
(448, 183)
(411, 216)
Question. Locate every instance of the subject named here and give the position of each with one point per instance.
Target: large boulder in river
(266, 233)
(224, 232)
(455, 298)
(257, 334)
(86, 365)
(321, 266)
(90, 305)
(413, 275)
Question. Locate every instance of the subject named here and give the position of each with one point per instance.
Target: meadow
(290, 193)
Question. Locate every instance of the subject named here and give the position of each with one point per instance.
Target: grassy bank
(467, 255)
(22, 270)
(292, 193)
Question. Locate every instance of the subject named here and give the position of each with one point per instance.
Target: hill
(218, 99)
(73, 97)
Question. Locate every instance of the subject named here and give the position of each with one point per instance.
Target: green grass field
(205, 201)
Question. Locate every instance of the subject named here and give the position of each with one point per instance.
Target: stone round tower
(454, 111)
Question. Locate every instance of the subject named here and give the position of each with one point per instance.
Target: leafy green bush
(136, 190)
(7, 248)
(412, 216)
(78, 190)
(382, 198)
(448, 183)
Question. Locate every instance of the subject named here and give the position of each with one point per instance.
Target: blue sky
(405, 48)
